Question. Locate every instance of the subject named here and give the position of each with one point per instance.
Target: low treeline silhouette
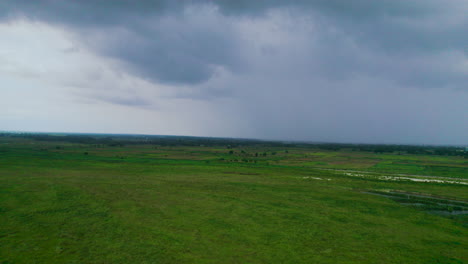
(115, 140)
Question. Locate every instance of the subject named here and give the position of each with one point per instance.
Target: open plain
(68, 202)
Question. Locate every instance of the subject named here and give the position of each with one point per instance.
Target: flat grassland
(80, 203)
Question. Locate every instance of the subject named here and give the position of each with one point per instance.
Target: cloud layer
(360, 71)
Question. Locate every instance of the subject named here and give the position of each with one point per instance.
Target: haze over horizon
(325, 71)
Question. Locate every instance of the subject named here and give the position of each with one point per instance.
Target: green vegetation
(226, 201)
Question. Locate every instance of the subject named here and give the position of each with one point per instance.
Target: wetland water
(430, 204)
(402, 177)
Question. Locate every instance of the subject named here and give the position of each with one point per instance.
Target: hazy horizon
(222, 137)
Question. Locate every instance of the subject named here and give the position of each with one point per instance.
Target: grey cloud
(347, 72)
(387, 23)
(112, 97)
(174, 50)
(184, 42)
(135, 101)
(163, 41)
(357, 8)
(85, 12)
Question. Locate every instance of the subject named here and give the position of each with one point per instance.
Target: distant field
(63, 202)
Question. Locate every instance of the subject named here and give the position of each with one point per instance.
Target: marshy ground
(63, 202)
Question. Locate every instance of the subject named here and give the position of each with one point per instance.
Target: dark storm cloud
(154, 39)
(172, 49)
(394, 25)
(85, 12)
(420, 43)
(391, 71)
(187, 41)
(135, 101)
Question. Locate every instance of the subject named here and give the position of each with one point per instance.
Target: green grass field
(78, 203)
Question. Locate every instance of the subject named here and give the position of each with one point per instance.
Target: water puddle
(429, 203)
(403, 178)
(316, 178)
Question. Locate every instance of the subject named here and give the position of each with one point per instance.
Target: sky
(361, 71)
